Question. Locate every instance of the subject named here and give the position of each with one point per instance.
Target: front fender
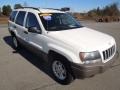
(71, 56)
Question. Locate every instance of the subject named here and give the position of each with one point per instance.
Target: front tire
(61, 71)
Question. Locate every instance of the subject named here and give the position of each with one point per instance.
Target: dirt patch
(3, 20)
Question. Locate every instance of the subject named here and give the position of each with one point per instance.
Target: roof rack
(52, 9)
(62, 9)
(30, 7)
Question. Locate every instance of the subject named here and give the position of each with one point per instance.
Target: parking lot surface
(22, 70)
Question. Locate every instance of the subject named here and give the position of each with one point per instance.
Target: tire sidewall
(69, 77)
(17, 43)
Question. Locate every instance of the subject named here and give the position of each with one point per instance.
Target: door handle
(26, 32)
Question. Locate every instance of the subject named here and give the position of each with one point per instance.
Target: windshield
(58, 21)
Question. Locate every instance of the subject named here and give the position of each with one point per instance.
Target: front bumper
(84, 71)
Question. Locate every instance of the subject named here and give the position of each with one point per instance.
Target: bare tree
(16, 6)
(109, 10)
(6, 10)
(0, 11)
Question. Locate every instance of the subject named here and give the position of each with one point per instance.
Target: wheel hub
(59, 70)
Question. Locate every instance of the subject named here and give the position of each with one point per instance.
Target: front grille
(109, 52)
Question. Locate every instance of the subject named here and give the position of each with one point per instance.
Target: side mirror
(34, 30)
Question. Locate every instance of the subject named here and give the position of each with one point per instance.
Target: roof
(50, 11)
(40, 10)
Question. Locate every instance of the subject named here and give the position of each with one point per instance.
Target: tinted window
(32, 21)
(12, 15)
(20, 18)
(58, 21)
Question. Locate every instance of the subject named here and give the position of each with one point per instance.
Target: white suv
(73, 51)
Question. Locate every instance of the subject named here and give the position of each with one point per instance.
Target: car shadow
(31, 57)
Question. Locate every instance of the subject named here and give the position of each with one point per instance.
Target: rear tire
(15, 42)
(61, 70)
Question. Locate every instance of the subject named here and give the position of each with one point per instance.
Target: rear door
(11, 20)
(19, 26)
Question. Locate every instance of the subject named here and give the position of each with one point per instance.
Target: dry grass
(3, 20)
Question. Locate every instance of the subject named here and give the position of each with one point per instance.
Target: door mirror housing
(34, 30)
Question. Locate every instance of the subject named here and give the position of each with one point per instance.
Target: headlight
(89, 56)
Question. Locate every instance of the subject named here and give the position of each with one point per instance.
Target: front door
(35, 39)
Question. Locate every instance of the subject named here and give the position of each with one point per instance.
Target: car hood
(83, 38)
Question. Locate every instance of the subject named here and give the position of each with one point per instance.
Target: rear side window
(20, 18)
(12, 16)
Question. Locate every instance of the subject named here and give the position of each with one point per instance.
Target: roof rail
(52, 9)
(29, 7)
(62, 9)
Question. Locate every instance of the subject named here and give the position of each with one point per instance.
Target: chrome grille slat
(112, 49)
(108, 53)
(104, 55)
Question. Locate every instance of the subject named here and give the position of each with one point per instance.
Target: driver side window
(32, 21)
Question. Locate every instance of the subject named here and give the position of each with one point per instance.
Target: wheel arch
(68, 63)
(12, 33)
(54, 53)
